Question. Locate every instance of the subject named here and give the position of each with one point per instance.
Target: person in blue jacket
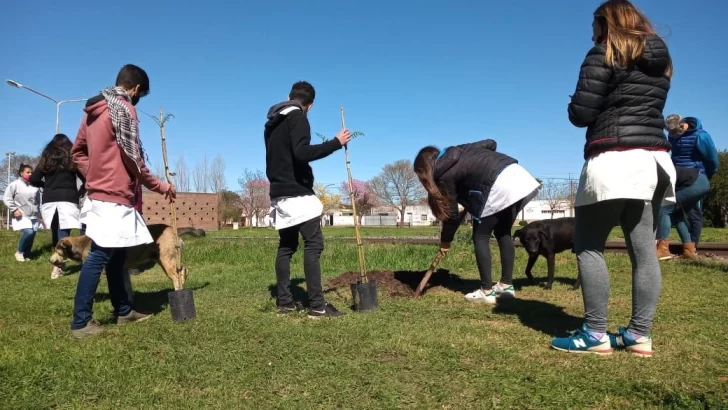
(692, 147)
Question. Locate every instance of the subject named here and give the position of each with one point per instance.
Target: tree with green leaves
(715, 204)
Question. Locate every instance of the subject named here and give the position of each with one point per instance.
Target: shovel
(433, 266)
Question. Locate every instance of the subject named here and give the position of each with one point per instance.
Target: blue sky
(408, 73)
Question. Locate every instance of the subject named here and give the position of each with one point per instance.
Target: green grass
(708, 235)
(435, 352)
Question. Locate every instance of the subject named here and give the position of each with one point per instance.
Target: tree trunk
(401, 214)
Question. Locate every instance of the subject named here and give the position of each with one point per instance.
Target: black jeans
(313, 245)
(56, 232)
(500, 225)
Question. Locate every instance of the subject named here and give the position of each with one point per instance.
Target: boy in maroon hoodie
(109, 154)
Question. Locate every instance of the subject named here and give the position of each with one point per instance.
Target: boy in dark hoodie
(296, 208)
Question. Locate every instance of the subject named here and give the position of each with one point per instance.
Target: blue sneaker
(582, 342)
(639, 346)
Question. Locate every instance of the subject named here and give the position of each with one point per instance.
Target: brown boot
(689, 251)
(663, 250)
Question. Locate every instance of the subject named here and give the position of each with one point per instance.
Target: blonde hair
(627, 29)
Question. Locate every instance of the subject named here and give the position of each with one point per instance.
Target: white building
(416, 215)
(539, 209)
(263, 221)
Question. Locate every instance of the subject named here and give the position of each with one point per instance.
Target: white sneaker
(56, 272)
(503, 290)
(481, 296)
(19, 257)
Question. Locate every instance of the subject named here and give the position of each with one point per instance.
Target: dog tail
(191, 232)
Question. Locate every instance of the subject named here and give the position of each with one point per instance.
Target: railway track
(718, 249)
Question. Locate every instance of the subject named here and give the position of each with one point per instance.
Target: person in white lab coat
(57, 175)
(22, 200)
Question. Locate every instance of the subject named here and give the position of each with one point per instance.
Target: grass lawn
(435, 352)
(708, 235)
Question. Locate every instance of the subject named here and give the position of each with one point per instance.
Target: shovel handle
(426, 278)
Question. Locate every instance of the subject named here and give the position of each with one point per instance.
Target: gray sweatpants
(639, 222)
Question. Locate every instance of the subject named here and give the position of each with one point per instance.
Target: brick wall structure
(193, 210)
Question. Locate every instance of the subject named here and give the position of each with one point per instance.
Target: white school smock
(512, 184)
(112, 225)
(69, 216)
(291, 211)
(630, 174)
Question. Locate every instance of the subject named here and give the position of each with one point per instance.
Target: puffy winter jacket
(622, 107)
(465, 173)
(694, 148)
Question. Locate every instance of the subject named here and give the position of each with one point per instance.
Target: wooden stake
(179, 283)
(359, 245)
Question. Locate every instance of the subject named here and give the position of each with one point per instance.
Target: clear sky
(409, 73)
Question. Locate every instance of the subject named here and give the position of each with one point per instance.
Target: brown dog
(162, 250)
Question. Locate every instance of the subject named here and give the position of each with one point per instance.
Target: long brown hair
(626, 29)
(424, 166)
(56, 155)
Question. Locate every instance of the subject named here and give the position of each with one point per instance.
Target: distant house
(415, 215)
(537, 210)
(264, 220)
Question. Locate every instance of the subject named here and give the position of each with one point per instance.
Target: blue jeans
(687, 200)
(88, 281)
(25, 244)
(56, 232)
(695, 222)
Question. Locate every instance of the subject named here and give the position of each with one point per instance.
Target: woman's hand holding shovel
(444, 247)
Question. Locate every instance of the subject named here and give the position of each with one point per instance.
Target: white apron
(628, 174)
(112, 225)
(512, 184)
(24, 222)
(68, 214)
(291, 211)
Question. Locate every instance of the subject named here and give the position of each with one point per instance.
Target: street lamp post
(58, 103)
(9, 155)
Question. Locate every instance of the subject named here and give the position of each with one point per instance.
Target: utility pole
(9, 155)
(572, 195)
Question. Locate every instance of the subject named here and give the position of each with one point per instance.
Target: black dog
(547, 238)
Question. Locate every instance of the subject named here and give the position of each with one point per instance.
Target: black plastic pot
(182, 305)
(365, 296)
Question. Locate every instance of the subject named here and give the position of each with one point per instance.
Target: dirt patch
(400, 283)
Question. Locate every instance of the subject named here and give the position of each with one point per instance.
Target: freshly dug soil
(399, 283)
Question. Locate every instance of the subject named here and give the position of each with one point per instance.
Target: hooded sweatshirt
(288, 151)
(694, 148)
(110, 175)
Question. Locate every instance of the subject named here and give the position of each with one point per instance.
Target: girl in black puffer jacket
(57, 175)
(493, 188)
(619, 98)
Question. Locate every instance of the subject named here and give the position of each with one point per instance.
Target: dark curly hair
(56, 155)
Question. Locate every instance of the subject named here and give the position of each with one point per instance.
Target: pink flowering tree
(254, 195)
(364, 198)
